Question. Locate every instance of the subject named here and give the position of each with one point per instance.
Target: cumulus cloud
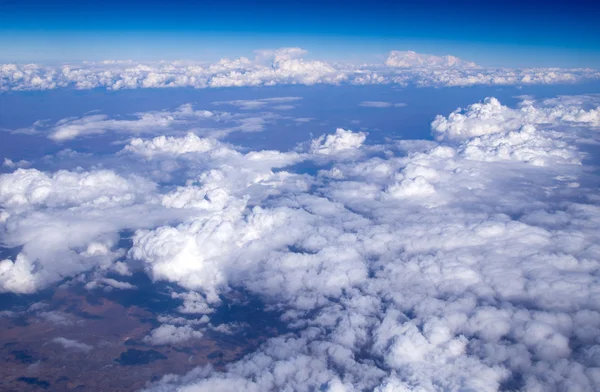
(30, 188)
(171, 146)
(342, 140)
(276, 67)
(9, 163)
(491, 116)
(464, 263)
(496, 132)
(171, 334)
(410, 59)
(68, 222)
(436, 267)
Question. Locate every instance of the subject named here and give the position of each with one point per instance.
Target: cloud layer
(277, 67)
(465, 263)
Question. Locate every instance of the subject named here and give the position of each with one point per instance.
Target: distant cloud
(279, 67)
(410, 59)
(381, 104)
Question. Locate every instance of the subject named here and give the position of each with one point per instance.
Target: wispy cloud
(381, 104)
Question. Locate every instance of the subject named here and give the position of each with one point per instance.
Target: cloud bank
(278, 67)
(465, 263)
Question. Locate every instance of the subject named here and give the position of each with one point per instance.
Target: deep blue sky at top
(504, 33)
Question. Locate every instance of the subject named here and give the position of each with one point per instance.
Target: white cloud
(171, 334)
(252, 104)
(342, 140)
(276, 67)
(491, 116)
(466, 263)
(410, 59)
(11, 164)
(169, 146)
(182, 120)
(495, 132)
(146, 122)
(68, 222)
(381, 104)
(30, 188)
(430, 265)
(73, 344)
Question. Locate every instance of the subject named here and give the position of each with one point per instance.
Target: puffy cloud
(466, 263)
(491, 116)
(276, 67)
(11, 164)
(68, 222)
(425, 271)
(410, 59)
(342, 140)
(495, 132)
(169, 146)
(30, 188)
(171, 334)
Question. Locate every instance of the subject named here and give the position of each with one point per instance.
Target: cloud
(410, 59)
(464, 263)
(181, 120)
(11, 164)
(342, 140)
(109, 284)
(381, 104)
(171, 334)
(253, 104)
(68, 222)
(169, 146)
(437, 267)
(73, 344)
(491, 117)
(30, 188)
(146, 122)
(496, 132)
(279, 67)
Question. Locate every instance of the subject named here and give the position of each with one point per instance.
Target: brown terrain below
(118, 359)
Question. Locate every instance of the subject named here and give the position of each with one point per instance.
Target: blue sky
(503, 33)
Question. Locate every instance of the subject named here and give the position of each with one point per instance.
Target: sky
(491, 33)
